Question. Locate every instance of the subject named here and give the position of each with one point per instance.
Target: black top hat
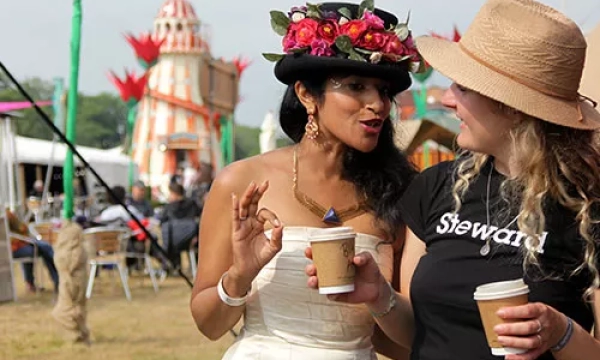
(346, 38)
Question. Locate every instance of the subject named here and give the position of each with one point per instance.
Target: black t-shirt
(448, 325)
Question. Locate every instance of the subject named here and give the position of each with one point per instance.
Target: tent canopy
(37, 151)
(111, 164)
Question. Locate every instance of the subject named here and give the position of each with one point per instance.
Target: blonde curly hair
(554, 162)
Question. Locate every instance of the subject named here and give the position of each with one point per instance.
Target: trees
(101, 120)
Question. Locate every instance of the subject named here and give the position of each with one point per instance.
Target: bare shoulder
(236, 176)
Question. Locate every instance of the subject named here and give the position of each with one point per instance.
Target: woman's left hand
(537, 328)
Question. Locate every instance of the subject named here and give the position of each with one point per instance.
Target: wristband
(391, 304)
(565, 338)
(235, 302)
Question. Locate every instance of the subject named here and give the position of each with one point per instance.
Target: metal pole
(59, 104)
(11, 168)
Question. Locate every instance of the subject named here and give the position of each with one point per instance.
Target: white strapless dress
(286, 320)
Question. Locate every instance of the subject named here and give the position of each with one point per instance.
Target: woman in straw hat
(344, 64)
(525, 192)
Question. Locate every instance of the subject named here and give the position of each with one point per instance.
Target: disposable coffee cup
(333, 251)
(490, 298)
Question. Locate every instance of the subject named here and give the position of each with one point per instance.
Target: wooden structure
(438, 129)
(179, 118)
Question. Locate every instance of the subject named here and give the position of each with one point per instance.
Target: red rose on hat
(372, 40)
(354, 29)
(327, 31)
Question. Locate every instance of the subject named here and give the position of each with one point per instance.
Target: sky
(35, 36)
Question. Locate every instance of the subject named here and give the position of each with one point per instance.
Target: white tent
(112, 165)
(267, 137)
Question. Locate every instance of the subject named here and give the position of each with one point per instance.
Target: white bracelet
(391, 304)
(226, 298)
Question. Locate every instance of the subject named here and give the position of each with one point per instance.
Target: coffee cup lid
(501, 290)
(328, 234)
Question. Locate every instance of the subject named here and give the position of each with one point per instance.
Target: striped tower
(173, 127)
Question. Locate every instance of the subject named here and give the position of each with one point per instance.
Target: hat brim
(447, 58)
(294, 67)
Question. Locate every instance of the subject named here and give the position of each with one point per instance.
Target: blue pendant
(331, 217)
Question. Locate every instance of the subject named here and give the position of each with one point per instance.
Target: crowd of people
(177, 221)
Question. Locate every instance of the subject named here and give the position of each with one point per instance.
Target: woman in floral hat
(343, 64)
(521, 202)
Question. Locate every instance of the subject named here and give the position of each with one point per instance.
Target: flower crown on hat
(311, 30)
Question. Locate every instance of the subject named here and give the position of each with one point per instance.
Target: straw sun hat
(523, 54)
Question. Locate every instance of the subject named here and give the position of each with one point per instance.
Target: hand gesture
(252, 249)
(536, 327)
(368, 280)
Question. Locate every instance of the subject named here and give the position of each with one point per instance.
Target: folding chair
(42, 231)
(106, 246)
(147, 260)
(22, 260)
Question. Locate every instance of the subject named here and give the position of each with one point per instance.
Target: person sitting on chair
(179, 223)
(115, 214)
(23, 249)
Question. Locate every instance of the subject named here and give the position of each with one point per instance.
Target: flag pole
(69, 167)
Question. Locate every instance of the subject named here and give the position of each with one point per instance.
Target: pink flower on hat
(289, 42)
(300, 34)
(320, 48)
(373, 21)
(305, 31)
(394, 45)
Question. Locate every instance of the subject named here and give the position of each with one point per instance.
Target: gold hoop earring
(311, 128)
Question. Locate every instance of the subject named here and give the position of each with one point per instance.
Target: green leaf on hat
(344, 43)
(365, 5)
(312, 11)
(273, 57)
(345, 12)
(402, 31)
(363, 51)
(353, 55)
(298, 50)
(279, 22)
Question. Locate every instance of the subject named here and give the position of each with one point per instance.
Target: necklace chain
(319, 210)
(486, 248)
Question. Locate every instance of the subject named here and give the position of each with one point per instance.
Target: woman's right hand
(368, 280)
(252, 249)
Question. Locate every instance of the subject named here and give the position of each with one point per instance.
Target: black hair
(382, 174)
(119, 195)
(176, 189)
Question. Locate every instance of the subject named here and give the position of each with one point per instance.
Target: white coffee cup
(490, 298)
